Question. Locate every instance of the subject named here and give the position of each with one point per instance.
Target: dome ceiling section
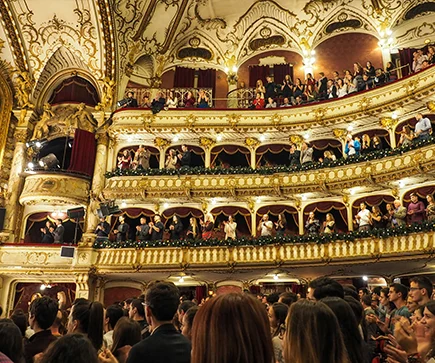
(68, 23)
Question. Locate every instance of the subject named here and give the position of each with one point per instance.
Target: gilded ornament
(2, 45)
(340, 133)
(295, 139)
(411, 86)
(161, 143)
(431, 106)
(102, 138)
(148, 120)
(108, 88)
(41, 128)
(206, 142)
(388, 122)
(190, 121)
(21, 135)
(320, 114)
(252, 142)
(276, 120)
(24, 84)
(364, 104)
(233, 120)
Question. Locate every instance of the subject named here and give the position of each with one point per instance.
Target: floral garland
(200, 170)
(426, 226)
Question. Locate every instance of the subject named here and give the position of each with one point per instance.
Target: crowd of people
(329, 323)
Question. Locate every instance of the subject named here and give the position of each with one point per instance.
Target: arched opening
(411, 122)
(290, 213)
(132, 219)
(272, 155)
(320, 146)
(320, 209)
(383, 135)
(184, 214)
(197, 158)
(61, 147)
(226, 156)
(241, 216)
(118, 294)
(36, 221)
(370, 201)
(75, 90)
(131, 150)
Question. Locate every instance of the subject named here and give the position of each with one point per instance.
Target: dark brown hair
(232, 328)
(126, 332)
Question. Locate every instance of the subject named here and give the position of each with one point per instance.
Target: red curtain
(280, 71)
(207, 79)
(372, 201)
(406, 58)
(200, 293)
(256, 73)
(230, 150)
(325, 207)
(325, 144)
(274, 210)
(228, 211)
(272, 148)
(75, 89)
(181, 212)
(184, 77)
(422, 192)
(83, 153)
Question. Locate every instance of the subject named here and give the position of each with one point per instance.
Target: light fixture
(165, 205)
(130, 138)
(394, 115)
(219, 137)
(175, 138)
(123, 204)
(258, 200)
(350, 128)
(262, 137)
(401, 183)
(304, 197)
(276, 277)
(181, 279)
(213, 201)
(306, 136)
(31, 165)
(45, 286)
(365, 278)
(49, 162)
(352, 191)
(54, 214)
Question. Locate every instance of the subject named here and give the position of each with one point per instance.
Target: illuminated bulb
(123, 204)
(312, 60)
(262, 138)
(213, 201)
(307, 136)
(258, 200)
(304, 197)
(41, 163)
(43, 287)
(226, 69)
(275, 277)
(401, 184)
(219, 137)
(130, 139)
(175, 138)
(54, 214)
(305, 52)
(313, 52)
(365, 278)
(394, 115)
(38, 144)
(181, 280)
(166, 205)
(352, 192)
(389, 32)
(234, 69)
(350, 128)
(30, 165)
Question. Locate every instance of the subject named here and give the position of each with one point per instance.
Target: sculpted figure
(41, 128)
(81, 119)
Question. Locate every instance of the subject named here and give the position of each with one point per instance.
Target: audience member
(112, 314)
(71, 348)
(420, 290)
(324, 287)
(312, 225)
(416, 210)
(277, 316)
(398, 217)
(423, 127)
(11, 341)
(288, 298)
(187, 322)
(306, 153)
(294, 155)
(265, 226)
(126, 334)
(137, 313)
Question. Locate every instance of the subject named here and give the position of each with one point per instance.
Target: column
(98, 183)
(349, 217)
(82, 286)
(253, 223)
(391, 133)
(301, 221)
(207, 160)
(386, 56)
(253, 159)
(15, 185)
(162, 158)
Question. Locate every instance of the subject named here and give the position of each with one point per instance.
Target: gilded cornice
(337, 179)
(55, 189)
(369, 105)
(104, 10)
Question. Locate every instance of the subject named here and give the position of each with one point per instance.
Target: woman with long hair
(277, 315)
(11, 341)
(71, 348)
(430, 209)
(232, 328)
(207, 226)
(127, 333)
(87, 318)
(329, 224)
(192, 230)
(349, 328)
(406, 136)
(175, 229)
(377, 217)
(313, 334)
(281, 225)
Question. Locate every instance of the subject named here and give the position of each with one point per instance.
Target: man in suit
(306, 153)
(47, 233)
(103, 229)
(122, 230)
(59, 231)
(131, 101)
(399, 214)
(322, 86)
(185, 157)
(165, 344)
(294, 156)
(143, 231)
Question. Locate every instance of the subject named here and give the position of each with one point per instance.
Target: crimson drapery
(184, 77)
(280, 71)
(181, 212)
(131, 213)
(83, 152)
(422, 192)
(258, 73)
(371, 201)
(200, 293)
(194, 149)
(207, 79)
(233, 211)
(271, 148)
(381, 133)
(230, 150)
(325, 207)
(325, 144)
(275, 210)
(406, 57)
(75, 89)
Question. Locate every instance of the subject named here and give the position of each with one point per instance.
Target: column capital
(21, 135)
(102, 138)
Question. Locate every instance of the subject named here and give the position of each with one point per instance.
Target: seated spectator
(358, 70)
(369, 70)
(126, 334)
(11, 341)
(130, 100)
(335, 77)
(71, 348)
(380, 77)
(171, 100)
(298, 101)
(425, 64)
(418, 59)
(146, 103)
(158, 103)
(390, 72)
(365, 84)
(298, 88)
(351, 83)
(203, 100)
(406, 136)
(189, 100)
(232, 327)
(286, 103)
(270, 103)
(431, 54)
(318, 339)
(258, 103)
(341, 88)
(331, 90)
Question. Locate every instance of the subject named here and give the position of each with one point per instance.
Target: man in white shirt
(423, 127)
(265, 227)
(364, 218)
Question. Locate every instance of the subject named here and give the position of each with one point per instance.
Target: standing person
(171, 160)
(175, 229)
(416, 210)
(103, 229)
(47, 233)
(42, 313)
(59, 231)
(423, 127)
(364, 218)
(306, 153)
(207, 226)
(398, 217)
(270, 88)
(294, 156)
(230, 228)
(421, 289)
(265, 226)
(185, 157)
(189, 100)
(111, 317)
(398, 295)
(312, 225)
(165, 344)
(156, 229)
(192, 230)
(122, 230)
(203, 100)
(329, 224)
(137, 313)
(143, 230)
(286, 87)
(430, 209)
(277, 314)
(281, 225)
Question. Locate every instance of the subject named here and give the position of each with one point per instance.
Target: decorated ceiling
(111, 42)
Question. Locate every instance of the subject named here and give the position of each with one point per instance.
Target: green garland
(200, 170)
(426, 226)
